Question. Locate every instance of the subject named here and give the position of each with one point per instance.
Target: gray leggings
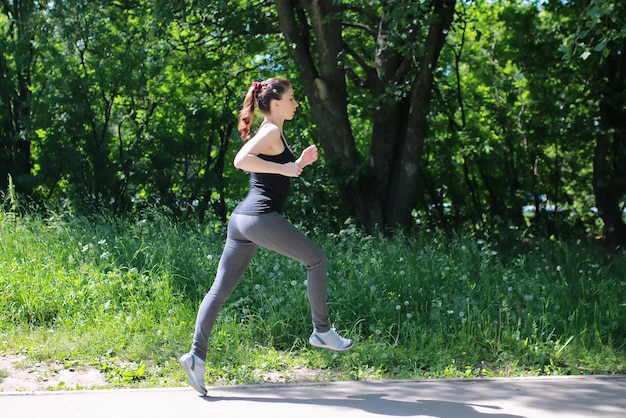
(245, 234)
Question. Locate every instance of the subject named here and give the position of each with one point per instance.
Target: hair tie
(257, 87)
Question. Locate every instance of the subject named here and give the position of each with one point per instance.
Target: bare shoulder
(267, 140)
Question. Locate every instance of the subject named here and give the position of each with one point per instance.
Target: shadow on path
(376, 403)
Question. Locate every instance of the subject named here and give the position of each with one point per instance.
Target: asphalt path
(533, 397)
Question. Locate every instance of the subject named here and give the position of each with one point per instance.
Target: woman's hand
(308, 156)
(291, 170)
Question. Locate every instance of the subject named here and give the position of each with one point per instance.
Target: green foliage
(136, 103)
(512, 126)
(599, 32)
(121, 296)
(112, 107)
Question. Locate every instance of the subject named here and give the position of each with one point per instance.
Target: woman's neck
(278, 124)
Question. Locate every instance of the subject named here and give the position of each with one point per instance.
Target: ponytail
(247, 112)
(260, 94)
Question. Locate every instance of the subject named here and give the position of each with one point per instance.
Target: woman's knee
(320, 262)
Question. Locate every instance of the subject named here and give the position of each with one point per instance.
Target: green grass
(121, 295)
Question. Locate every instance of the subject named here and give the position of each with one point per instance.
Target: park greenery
(451, 113)
(121, 295)
(469, 194)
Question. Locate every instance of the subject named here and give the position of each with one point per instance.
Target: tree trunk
(15, 153)
(609, 187)
(609, 165)
(403, 190)
(381, 192)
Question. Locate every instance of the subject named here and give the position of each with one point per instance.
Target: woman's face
(287, 104)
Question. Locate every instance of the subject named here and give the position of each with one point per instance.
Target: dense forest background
(491, 115)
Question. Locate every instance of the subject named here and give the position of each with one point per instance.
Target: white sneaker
(330, 340)
(194, 367)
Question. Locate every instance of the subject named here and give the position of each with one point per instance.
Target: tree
(136, 101)
(18, 33)
(596, 45)
(389, 52)
(604, 37)
(511, 144)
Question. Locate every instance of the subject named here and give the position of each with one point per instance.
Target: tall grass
(122, 295)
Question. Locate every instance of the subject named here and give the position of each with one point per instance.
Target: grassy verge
(122, 295)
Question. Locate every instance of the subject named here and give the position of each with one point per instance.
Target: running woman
(258, 221)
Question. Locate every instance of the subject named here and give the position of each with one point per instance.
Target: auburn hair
(260, 94)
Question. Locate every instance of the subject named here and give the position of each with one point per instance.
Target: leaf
(601, 45)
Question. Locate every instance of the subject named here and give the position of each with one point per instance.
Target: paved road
(571, 397)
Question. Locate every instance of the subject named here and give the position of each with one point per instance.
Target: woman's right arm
(267, 141)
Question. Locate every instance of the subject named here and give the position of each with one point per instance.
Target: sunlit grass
(121, 295)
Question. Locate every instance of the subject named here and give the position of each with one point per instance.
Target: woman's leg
(275, 233)
(235, 259)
